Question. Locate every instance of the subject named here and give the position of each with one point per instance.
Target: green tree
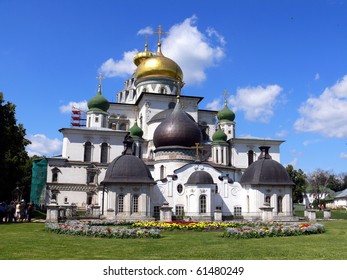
(299, 179)
(14, 159)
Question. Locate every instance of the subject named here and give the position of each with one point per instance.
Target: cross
(136, 110)
(159, 32)
(225, 96)
(100, 77)
(197, 147)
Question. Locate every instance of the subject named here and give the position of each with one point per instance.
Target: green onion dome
(226, 115)
(98, 102)
(219, 136)
(136, 131)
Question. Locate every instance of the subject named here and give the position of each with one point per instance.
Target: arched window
(280, 204)
(55, 177)
(122, 126)
(87, 151)
(135, 204)
(202, 204)
(163, 90)
(121, 203)
(55, 172)
(250, 157)
(268, 199)
(134, 149)
(162, 172)
(104, 153)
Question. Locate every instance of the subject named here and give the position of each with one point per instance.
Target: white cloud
(41, 145)
(311, 141)
(66, 109)
(327, 113)
(343, 155)
(256, 102)
(216, 104)
(193, 51)
(213, 32)
(317, 77)
(145, 31)
(119, 68)
(282, 133)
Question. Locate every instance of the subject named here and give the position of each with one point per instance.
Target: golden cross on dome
(159, 32)
(100, 77)
(197, 147)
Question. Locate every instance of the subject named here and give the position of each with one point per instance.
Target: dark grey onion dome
(178, 129)
(127, 168)
(200, 177)
(266, 171)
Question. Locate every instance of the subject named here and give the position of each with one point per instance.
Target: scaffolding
(78, 117)
(38, 181)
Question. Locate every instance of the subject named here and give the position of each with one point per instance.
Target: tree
(13, 156)
(318, 183)
(299, 179)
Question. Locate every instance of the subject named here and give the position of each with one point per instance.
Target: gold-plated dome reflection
(141, 56)
(159, 66)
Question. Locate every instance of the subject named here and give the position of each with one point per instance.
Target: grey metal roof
(178, 129)
(342, 194)
(266, 171)
(127, 168)
(200, 177)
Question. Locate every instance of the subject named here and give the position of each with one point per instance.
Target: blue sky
(283, 63)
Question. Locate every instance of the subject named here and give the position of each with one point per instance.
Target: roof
(266, 171)
(200, 177)
(128, 168)
(342, 194)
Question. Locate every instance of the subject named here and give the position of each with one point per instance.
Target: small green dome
(98, 102)
(226, 115)
(219, 136)
(136, 131)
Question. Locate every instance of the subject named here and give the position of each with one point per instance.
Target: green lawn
(29, 241)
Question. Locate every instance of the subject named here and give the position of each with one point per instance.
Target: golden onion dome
(141, 56)
(159, 65)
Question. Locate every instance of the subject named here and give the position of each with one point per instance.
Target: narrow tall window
(104, 153)
(156, 212)
(268, 199)
(202, 204)
(162, 172)
(280, 204)
(55, 177)
(121, 203)
(179, 212)
(250, 157)
(135, 204)
(87, 151)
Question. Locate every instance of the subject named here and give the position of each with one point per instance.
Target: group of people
(16, 211)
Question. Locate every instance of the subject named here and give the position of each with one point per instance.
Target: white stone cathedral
(154, 149)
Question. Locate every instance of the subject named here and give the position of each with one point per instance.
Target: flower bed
(197, 226)
(82, 228)
(247, 232)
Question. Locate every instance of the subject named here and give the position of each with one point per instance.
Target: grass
(29, 241)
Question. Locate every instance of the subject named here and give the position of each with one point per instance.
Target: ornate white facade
(147, 100)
